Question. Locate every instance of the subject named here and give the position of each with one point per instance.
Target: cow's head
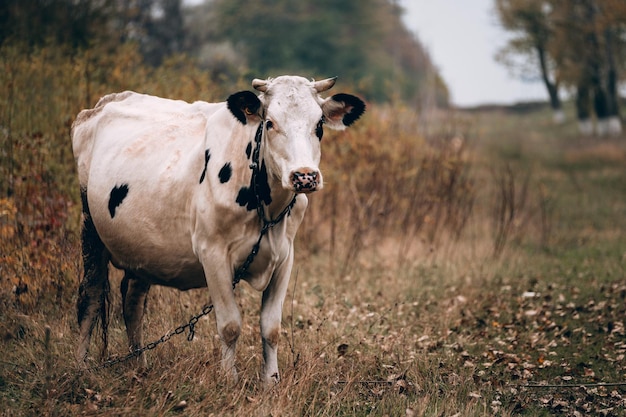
(294, 116)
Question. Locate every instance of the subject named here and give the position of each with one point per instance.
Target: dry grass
(343, 352)
(397, 305)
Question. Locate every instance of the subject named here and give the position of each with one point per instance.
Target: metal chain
(267, 225)
(179, 330)
(239, 273)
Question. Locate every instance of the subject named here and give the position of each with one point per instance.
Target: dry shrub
(521, 208)
(384, 180)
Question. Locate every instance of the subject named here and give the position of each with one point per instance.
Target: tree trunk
(583, 113)
(552, 87)
(614, 121)
(594, 65)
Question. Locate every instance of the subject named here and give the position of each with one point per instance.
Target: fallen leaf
(342, 349)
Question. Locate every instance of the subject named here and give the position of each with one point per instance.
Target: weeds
(381, 320)
(407, 189)
(509, 206)
(521, 208)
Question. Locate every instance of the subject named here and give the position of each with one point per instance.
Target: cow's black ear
(244, 105)
(342, 110)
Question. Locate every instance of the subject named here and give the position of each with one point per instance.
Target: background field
(453, 261)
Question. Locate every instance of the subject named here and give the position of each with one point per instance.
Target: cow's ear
(245, 106)
(342, 110)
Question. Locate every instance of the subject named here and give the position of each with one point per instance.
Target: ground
(488, 280)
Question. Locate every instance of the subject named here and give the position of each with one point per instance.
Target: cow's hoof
(269, 381)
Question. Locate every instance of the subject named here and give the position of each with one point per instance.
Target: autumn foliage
(454, 264)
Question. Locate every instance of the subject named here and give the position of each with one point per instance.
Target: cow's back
(130, 109)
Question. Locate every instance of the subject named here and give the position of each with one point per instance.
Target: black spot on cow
(249, 150)
(319, 130)
(225, 173)
(118, 194)
(207, 156)
(246, 197)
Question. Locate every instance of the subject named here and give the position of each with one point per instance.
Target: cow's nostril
(304, 175)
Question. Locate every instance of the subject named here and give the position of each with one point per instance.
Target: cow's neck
(282, 201)
(272, 199)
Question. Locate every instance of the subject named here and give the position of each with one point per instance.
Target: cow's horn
(260, 85)
(324, 85)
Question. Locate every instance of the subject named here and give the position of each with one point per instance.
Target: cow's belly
(148, 236)
(160, 259)
(170, 260)
(184, 277)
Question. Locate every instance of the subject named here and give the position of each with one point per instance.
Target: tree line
(363, 41)
(577, 45)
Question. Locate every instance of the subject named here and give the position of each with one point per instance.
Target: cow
(191, 195)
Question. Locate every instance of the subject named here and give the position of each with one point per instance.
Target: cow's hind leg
(92, 303)
(134, 300)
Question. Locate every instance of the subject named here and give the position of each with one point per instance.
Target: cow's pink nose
(305, 181)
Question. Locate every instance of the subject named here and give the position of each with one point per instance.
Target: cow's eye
(269, 125)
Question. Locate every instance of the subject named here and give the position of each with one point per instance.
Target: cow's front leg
(227, 317)
(271, 316)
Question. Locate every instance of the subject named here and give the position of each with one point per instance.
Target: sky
(462, 38)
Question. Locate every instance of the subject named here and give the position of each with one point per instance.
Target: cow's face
(294, 116)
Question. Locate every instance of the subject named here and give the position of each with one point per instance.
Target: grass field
(493, 284)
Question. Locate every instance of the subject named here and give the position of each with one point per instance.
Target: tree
(363, 41)
(63, 22)
(582, 42)
(591, 36)
(157, 25)
(530, 21)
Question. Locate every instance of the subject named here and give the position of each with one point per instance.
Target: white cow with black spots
(173, 193)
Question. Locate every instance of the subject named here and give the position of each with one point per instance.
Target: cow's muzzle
(306, 181)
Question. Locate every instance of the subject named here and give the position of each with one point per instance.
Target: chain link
(152, 345)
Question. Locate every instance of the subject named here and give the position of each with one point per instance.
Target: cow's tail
(93, 293)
